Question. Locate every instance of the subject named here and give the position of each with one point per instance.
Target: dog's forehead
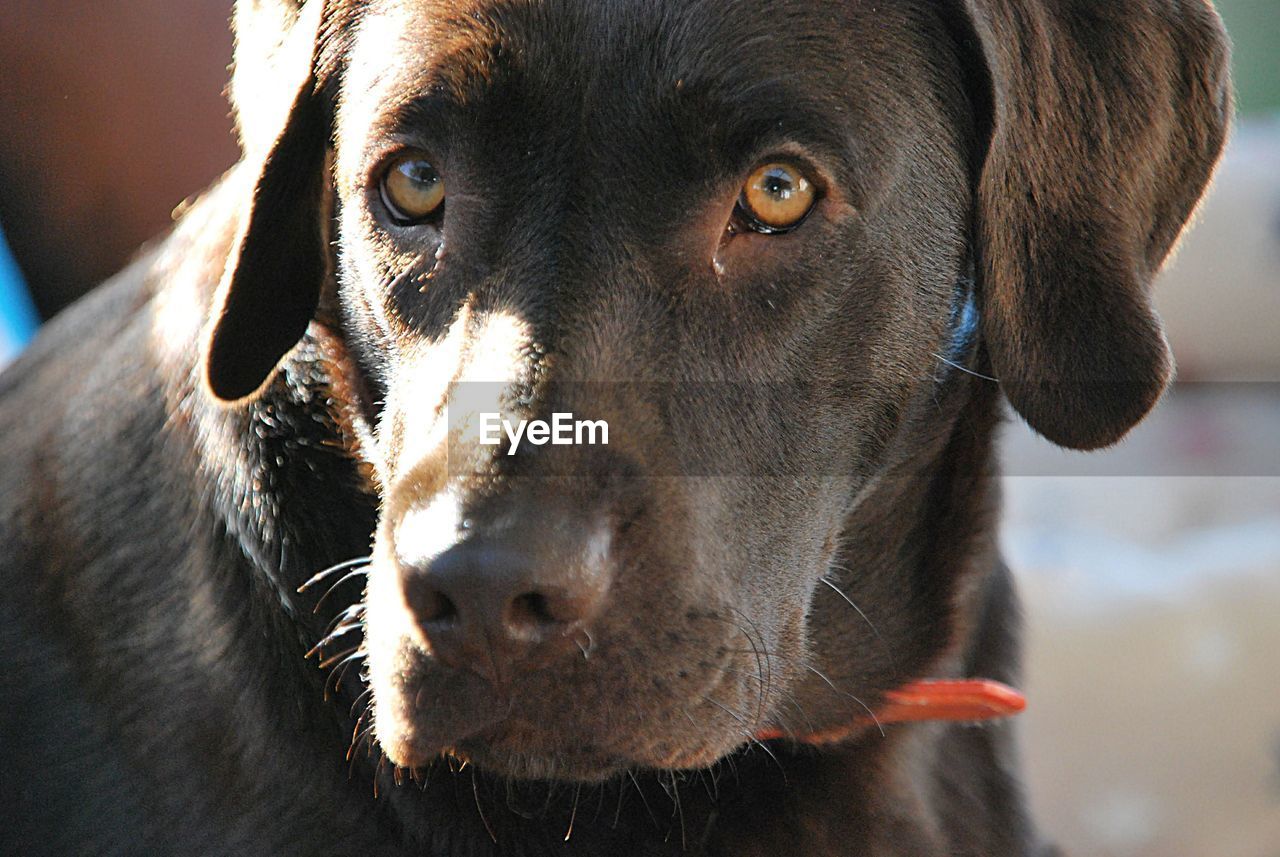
(453, 40)
(608, 56)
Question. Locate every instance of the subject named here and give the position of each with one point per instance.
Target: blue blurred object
(18, 318)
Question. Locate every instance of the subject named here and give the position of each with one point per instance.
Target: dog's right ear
(1106, 120)
(271, 285)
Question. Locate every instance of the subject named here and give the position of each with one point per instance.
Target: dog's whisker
(714, 773)
(351, 614)
(365, 740)
(335, 658)
(965, 369)
(617, 813)
(811, 668)
(756, 676)
(803, 664)
(679, 809)
(753, 741)
(789, 698)
(355, 733)
(786, 696)
(336, 634)
(599, 790)
(377, 773)
(764, 651)
(707, 777)
(354, 749)
(339, 672)
(350, 575)
(750, 740)
(762, 662)
(577, 792)
(749, 730)
(589, 647)
(762, 683)
(858, 610)
(363, 698)
(427, 771)
(356, 656)
(729, 711)
(475, 790)
(643, 799)
(334, 569)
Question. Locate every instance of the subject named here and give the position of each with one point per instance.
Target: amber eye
(776, 198)
(412, 190)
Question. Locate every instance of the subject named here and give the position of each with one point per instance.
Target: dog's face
(573, 202)
(741, 235)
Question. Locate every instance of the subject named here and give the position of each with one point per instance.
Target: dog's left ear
(271, 286)
(1106, 119)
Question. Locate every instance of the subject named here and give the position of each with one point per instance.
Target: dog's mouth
(522, 750)
(579, 720)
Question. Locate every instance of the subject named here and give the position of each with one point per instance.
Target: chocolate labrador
(772, 256)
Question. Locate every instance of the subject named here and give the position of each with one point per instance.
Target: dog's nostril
(531, 611)
(488, 606)
(434, 606)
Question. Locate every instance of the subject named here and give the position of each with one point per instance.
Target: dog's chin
(520, 752)
(580, 765)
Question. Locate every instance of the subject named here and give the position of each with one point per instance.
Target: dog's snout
(494, 609)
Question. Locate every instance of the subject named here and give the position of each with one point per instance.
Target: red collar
(968, 700)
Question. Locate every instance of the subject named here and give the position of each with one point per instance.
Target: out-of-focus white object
(1152, 597)
(1220, 295)
(1153, 672)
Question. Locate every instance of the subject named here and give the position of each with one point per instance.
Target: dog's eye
(412, 190)
(776, 198)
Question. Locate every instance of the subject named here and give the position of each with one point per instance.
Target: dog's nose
(495, 608)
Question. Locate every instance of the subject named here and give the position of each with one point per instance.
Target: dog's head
(754, 239)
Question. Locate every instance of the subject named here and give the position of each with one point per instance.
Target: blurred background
(1151, 572)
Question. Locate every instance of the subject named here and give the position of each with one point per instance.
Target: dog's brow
(758, 121)
(749, 122)
(435, 106)
(754, 129)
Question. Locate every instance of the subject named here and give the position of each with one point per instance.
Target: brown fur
(799, 424)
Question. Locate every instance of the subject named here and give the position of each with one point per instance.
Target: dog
(794, 255)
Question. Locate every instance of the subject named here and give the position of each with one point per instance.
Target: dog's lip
(510, 744)
(513, 744)
(419, 739)
(473, 719)
(504, 748)
(507, 746)
(416, 746)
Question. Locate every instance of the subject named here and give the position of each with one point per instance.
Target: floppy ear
(271, 285)
(1106, 120)
(270, 51)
